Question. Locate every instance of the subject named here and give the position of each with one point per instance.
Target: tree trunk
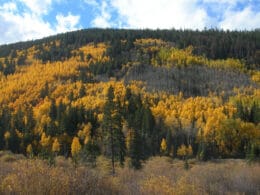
(112, 151)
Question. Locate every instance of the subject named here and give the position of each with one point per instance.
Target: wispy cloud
(191, 14)
(245, 19)
(38, 7)
(22, 20)
(67, 23)
(102, 19)
(161, 14)
(15, 26)
(10, 6)
(21, 25)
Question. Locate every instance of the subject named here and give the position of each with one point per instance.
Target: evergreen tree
(53, 110)
(169, 143)
(119, 135)
(44, 91)
(1, 66)
(90, 152)
(135, 151)
(82, 91)
(112, 128)
(5, 124)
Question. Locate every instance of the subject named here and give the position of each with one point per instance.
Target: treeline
(212, 43)
(164, 98)
(134, 125)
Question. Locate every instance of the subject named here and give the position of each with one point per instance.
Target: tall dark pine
(120, 144)
(135, 151)
(134, 116)
(112, 127)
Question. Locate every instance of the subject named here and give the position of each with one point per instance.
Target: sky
(23, 20)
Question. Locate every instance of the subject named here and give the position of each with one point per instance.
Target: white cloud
(103, 19)
(14, 27)
(67, 23)
(22, 20)
(161, 14)
(245, 19)
(11, 6)
(38, 7)
(191, 14)
(17, 25)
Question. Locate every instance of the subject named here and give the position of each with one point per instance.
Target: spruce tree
(135, 151)
(112, 127)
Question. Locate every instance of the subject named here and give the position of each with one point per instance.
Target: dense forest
(132, 94)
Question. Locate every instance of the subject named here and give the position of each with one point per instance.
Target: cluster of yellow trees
(186, 126)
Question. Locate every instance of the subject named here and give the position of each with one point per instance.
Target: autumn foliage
(59, 106)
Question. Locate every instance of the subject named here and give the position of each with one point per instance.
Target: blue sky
(22, 20)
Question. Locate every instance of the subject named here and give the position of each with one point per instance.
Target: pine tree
(112, 127)
(119, 135)
(135, 150)
(169, 143)
(44, 91)
(53, 110)
(82, 91)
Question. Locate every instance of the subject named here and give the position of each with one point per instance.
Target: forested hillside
(132, 94)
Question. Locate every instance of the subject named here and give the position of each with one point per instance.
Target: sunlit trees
(75, 146)
(185, 152)
(163, 96)
(163, 146)
(55, 146)
(7, 136)
(29, 151)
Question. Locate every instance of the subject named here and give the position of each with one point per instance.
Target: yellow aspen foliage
(85, 133)
(7, 135)
(19, 134)
(232, 133)
(56, 145)
(181, 150)
(214, 119)
(75, 146)
(256, 77)
(100, 117)
(163, 145)
(29, 149)
(45, 140)
(184, 151)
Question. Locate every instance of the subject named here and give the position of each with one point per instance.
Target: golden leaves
(56, 145)
(163, 145)
(45, 140)
(7, 135)
(75, 146)
(184, 151)
(85, 133)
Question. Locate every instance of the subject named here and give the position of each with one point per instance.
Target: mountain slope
(194, 89)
